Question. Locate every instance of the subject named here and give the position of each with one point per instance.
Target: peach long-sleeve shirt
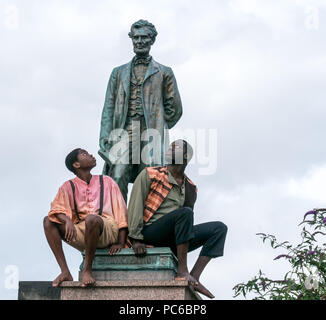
(88, 200)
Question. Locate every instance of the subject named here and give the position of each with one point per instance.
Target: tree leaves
(307, 275)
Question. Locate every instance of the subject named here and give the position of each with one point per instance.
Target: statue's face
(141, 41)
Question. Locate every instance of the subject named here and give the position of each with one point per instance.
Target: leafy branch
(307, 275)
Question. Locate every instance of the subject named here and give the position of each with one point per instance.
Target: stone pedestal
(157, 264)
(38, 290)
(122, 276)
(129, 290)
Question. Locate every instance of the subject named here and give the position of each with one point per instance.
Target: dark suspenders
(101, 197)
(75, 205)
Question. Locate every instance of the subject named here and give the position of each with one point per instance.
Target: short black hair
(71, 158)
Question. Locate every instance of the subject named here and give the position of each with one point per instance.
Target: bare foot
(201, 289)
(186, 276)
(87, 279)
(64, 276)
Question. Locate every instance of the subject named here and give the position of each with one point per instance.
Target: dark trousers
(178, 227)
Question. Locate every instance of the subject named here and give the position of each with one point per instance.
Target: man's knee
(49, 225)
(93, 221)
(47, 222)
(220, 227)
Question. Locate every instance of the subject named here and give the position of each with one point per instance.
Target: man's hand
(115, 248)
(71, 232)
(139, 248)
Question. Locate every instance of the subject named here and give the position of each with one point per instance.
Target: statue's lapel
(125, 77)
(152, 69)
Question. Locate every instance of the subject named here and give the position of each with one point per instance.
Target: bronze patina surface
(141, 95)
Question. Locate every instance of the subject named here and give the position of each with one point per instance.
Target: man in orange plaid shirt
(160, 213)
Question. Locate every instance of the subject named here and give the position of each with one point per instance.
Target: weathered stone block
(38, 290)
(129, 290)
(120, 277)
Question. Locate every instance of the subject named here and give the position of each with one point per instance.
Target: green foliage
(307, 275)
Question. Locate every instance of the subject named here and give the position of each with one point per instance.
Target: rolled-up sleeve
(60, 204)
(136, 205)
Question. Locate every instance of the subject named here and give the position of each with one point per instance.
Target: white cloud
(312, 186)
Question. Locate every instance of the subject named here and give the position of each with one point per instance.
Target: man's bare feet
(64, 276)
(87, 279)
(194, 284)
(201, 289)
(186, 276)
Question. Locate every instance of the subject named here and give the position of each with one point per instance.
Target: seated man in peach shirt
(88, 212)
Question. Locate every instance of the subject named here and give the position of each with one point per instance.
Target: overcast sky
(252, 71)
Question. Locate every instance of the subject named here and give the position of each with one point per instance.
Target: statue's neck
(142, 56)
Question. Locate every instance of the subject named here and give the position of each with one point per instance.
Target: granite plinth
(122, 276)
(129, 290)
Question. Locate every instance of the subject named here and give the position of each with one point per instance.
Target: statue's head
(143, 35)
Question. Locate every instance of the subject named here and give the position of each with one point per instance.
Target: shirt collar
(80, 181)
(172, 180)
